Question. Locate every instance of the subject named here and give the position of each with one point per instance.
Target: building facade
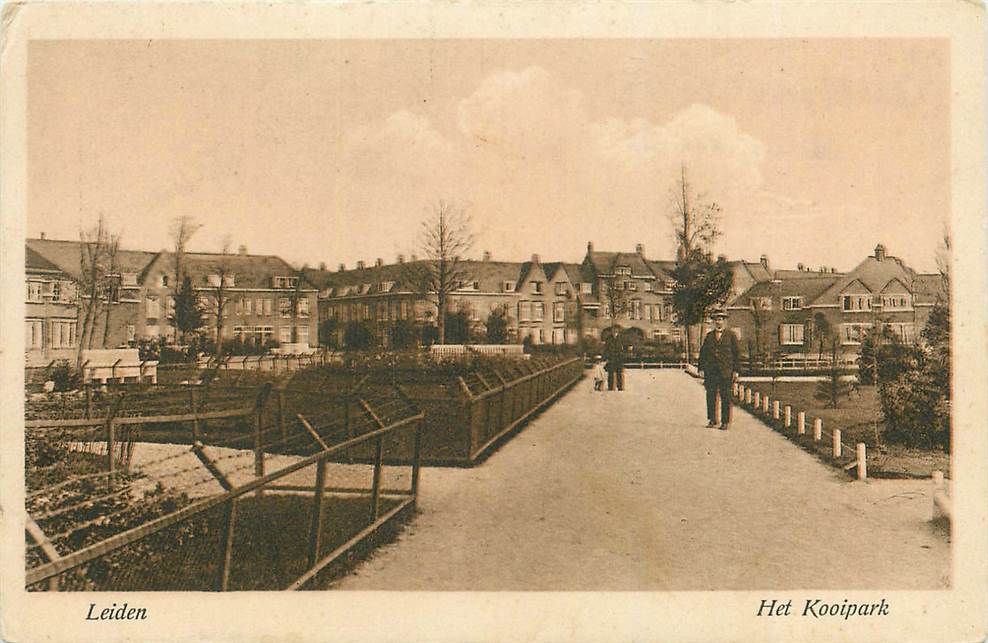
(803, 311)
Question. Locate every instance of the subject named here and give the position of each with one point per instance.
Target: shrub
(497, 326)
(867, 365)
(916, 407)
(359, 336)
(65, 377)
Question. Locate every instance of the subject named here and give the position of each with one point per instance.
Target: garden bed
(859, 418)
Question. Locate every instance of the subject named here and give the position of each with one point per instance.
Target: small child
(598, 375)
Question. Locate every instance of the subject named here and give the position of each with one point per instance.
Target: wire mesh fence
(249, 497)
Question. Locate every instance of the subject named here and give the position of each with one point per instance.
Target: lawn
(859, 418)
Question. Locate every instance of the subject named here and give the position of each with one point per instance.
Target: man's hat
(718, 313)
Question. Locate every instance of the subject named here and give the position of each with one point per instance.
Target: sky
(335, 150)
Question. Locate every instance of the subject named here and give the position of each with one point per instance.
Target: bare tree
(696, 225)
(445, 238)
(219, 284)
(615, 296)
(97, 248)
(182, 229)
(943, 263)
(112, 287)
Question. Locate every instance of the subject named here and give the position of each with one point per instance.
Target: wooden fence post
(262, 397)
(748, 395)
(765, 405)
(835, 433)
(315, 527)
(281, 413)
(775, 409)
(788, 416)
(862, 461)
(817, 429)
(226, 543)
(416, 460)
(758, 400)
(194, 409)
(801, 423)
(88, 388)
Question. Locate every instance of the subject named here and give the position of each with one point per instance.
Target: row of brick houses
(257, 291)
(802, 311)
(772, 311)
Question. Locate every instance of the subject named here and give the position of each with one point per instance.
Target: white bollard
(801, 423)
(836, 440)
(788, 416)
(775, 410)
(862, 461)
(940, 498)
(758, 400)
(817, 430)
(765, 404)
(747, 396)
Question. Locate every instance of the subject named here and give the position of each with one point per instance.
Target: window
(903, 332)
(558, 336)
(285, 335)
(228, 281)
(303, 307)
(618, 285)
(648, 286)
(248, 306)
(524, 309)
(538, 311)
(404, 310)
(32, 333)
(631, 285)
(853, 333)
(56, 290)
(792, 303)
(586, 288)
(607, 311)
(636, 309)
(131, 332)
(854, 303)
(162, 281)
(267, 307)
(508, 286)
(153, 308)
(240, 306)
(538, 336)
(791, 334)
(128, 279)
(213, 280)
(62, 333)
(558, 313)
(622, 270)
(561, 288)
(761, 303)
(285, 307)
(303, 334)
(537, 287)
(896, 302)
(34, 291)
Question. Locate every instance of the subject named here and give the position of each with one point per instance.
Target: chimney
(487, 255)
(242, 250)
(360, 265)
(640, 249)
(535, 259)
(834, 270)
(589, 246)
(42, 236)
(800, 267)
(342, 267)
(379, 262)
(322, 266)
(764, 261)
(401, 258)
(880, 252)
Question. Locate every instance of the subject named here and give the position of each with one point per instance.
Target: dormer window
(761, 303)
(386, 286)
(163, 281)
(586, 288)
(537, 287)
(623, 270)
(792, 303)
(213, 280)
(561, 288)
(228, 281)
(508, 286)
(896, 302)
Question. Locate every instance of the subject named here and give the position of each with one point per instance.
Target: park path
(629, 491)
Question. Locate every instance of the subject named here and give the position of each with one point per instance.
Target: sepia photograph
(436, 313)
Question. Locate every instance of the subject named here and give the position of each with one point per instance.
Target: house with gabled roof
(796, 309)
(641, 290)
(51, 311)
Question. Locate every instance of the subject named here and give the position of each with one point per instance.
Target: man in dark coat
(719, 363)
(614, 354)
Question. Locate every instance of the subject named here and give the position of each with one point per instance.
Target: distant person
(719, 363)
(598, 374)
(615, 364)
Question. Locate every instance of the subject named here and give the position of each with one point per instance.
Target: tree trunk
(441, 318)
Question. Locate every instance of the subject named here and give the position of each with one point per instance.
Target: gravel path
(628, 491)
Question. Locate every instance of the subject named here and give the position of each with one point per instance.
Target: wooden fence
(782, 416)
(268, 426)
